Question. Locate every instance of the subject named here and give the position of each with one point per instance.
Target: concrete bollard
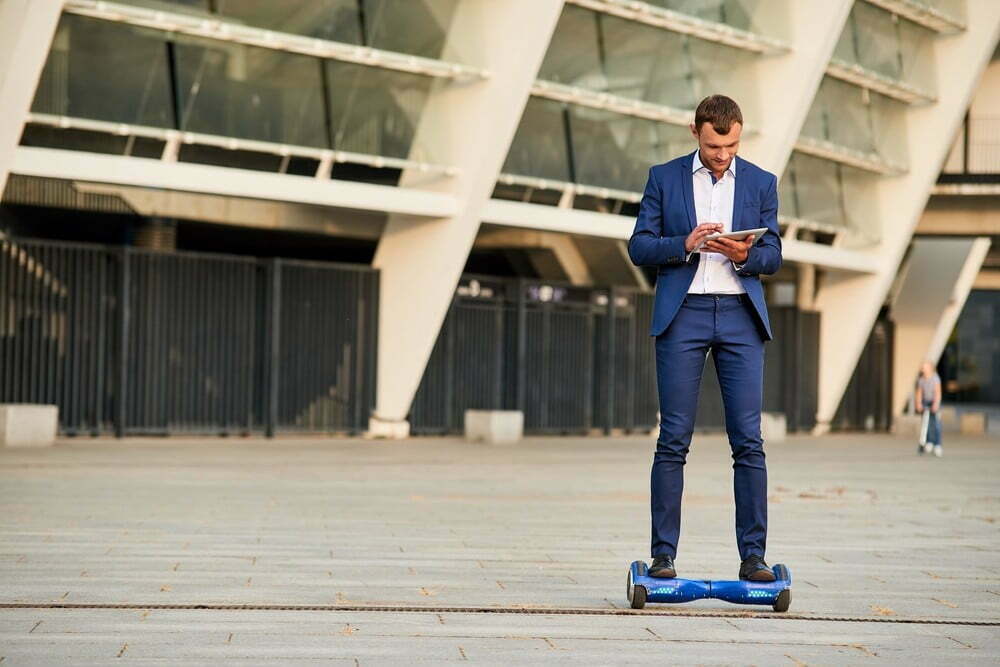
(972, 423)
(908, 425)
(495, 427)
(28, 425)
(773, 426)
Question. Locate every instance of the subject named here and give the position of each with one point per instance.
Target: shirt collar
(696, 164)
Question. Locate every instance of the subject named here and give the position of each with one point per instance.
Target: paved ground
(869, 530)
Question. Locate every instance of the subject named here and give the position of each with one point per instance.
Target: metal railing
(577, 360)
(135, 341)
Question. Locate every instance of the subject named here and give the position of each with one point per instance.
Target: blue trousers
(725, 326)
(933, 424)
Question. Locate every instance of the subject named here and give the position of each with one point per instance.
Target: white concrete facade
(434, 217)
(899, 201)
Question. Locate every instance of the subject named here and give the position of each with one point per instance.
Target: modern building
(370, 215)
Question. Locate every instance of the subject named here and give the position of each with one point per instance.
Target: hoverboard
(641, 588)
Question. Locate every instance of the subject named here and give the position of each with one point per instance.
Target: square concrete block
(28, 425)
(908, 425)
(972, 423)
(773, 426)
(495, 427)
(949, 418)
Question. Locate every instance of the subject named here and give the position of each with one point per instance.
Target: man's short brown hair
(720, 111)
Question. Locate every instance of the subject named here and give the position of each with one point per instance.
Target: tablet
(738, 236)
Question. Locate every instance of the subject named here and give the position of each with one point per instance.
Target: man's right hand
(699, 233)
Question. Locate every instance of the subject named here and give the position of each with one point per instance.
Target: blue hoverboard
(642, 588)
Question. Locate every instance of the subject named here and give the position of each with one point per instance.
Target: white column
(26, 31)
(850, 306)
(932, 289)
(788, 82)
(469, 126)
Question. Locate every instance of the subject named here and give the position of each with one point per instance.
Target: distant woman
(929, 403)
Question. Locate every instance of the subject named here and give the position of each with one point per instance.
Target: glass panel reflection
(849, 116)
(606, 149)
(887, 45)
(376, 111)
(85, 78)
(813, 190)
(610, 54)
(539, 145)
(616, 151)
(250, 93)
(735, 13)
(417, 27)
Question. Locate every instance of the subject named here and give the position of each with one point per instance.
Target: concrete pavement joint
(537, 611)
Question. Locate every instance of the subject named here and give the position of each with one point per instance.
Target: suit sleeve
(764, 257)
(647, 246)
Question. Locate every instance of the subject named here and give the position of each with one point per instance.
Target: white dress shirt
(713, 202)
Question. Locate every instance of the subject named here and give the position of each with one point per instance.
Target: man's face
(717, 150)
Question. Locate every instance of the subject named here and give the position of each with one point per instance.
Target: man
(709, 300)
(928, 403)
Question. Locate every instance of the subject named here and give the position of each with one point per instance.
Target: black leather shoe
(754, 568)
(662, 567)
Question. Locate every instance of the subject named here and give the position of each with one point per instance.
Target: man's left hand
(736, 251)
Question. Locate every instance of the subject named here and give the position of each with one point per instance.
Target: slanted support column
(26, 31)
(469, 126)
(849, 307)
(788, 82)
(934, 285)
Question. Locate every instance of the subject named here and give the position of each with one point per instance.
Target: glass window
(616, 151)
(416, 27)
(376, 111)
(846, 115)
(609, 149)
(815, 189)
(625, 58)
(735, 13)
(888, 45)
(85, 78)
(823, 191)
(539, 145)
(249, 92)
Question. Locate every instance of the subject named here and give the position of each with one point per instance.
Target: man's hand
(735, 250)
(699, 233)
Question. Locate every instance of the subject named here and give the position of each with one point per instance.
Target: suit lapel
(741, 183)
(687, 179)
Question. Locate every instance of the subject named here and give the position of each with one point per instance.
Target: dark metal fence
(867, 403)
(142, 342)
(575, 360)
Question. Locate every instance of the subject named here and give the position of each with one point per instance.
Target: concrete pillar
(849, 306)
(469, 126)
(26, 31)
(932, 289)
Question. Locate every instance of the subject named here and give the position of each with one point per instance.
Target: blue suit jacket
(667, 216)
